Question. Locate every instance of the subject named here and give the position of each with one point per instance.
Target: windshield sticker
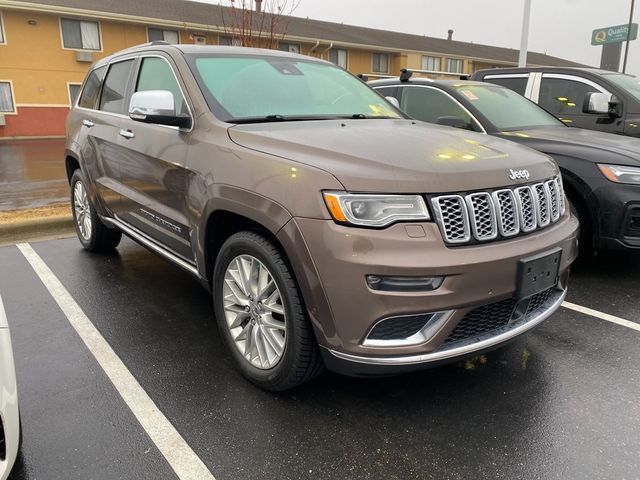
(469, 94)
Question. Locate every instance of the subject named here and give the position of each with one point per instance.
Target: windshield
(628, 83)
(506, 109)
(243, 89)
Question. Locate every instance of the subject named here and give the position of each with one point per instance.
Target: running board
(145, 241)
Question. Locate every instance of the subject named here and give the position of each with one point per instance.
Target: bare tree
(256, 23)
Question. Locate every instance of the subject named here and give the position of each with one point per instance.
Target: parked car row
(601, 171)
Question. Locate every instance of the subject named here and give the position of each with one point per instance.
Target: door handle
(127, 134)
(87, 123)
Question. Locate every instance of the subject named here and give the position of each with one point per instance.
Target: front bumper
(9, 415)
(334, 261)
(618, 215)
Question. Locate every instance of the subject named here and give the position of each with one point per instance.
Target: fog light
(404, 284)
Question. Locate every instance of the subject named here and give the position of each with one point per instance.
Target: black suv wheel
(261, 314)
(92, 233)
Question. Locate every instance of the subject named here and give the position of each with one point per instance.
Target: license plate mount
(538, 273)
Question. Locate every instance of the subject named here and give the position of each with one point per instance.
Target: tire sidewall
(231, 249)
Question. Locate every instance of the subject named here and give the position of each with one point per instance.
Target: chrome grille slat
(506, 212)
(485, 216)
(482, 215)
(541, 196)
(452, 214)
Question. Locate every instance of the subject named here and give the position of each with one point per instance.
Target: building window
(431, 63)
(155, 34)
(2, 39)
(74, 91)
(6, 97)
(454, 65)
(380, 63)
(80, 34)
(229, 41)
(289, 47)
(338, 56)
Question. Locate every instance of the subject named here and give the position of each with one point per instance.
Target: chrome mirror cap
(596, 102)
(152, 103)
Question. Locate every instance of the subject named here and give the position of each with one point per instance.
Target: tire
(273, 320)
(92, 233)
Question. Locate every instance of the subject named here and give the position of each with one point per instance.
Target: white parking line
(184, 461)
(602, 316)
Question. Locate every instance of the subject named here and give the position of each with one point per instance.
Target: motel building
(46, 47)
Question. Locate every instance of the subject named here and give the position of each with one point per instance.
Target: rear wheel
(261, 314)
(92, 233)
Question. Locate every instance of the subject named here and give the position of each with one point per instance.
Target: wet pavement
(32, 174)
(559, 403)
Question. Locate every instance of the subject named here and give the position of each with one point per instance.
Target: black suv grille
(490, 320)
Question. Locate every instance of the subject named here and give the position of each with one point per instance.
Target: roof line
(121, 17)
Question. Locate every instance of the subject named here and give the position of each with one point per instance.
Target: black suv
(580, 97)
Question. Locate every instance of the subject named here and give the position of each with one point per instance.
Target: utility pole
(626, 48)
(524, 40)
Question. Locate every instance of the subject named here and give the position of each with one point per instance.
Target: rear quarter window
(91, 89)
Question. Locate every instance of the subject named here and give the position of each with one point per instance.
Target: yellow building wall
(34, 58)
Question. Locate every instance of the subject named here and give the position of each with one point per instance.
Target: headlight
(621, 173)
(375, 210)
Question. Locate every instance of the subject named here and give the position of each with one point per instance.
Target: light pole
(626, 48)
(524, 39)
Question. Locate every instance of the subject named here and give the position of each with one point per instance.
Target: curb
(38, 227)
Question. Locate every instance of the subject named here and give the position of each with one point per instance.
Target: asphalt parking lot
(561, 402)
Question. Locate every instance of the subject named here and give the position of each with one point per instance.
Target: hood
(400, 156)
(580, 143)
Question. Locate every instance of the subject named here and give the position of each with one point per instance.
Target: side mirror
(393, 101)
(452, 121)
(596, 102)
(157, 106)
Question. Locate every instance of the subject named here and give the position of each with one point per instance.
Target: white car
(9, 414)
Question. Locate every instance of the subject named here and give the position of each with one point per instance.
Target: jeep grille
(484, 216)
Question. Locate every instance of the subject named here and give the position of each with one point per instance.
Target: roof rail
(363, 77)
(159, 42)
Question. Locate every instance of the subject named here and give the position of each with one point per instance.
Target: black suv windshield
(628, 83)
(506, 109)
(243, 89)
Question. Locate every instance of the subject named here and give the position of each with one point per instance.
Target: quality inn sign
(616, 34)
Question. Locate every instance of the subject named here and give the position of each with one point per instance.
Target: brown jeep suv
(331, 229)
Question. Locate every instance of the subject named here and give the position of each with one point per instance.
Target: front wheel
(92, 233)
(261, 314)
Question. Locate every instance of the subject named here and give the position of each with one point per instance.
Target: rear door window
(114, 93)
(517, 84)
(91, 90)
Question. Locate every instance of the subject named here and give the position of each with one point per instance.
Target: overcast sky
(558, 27)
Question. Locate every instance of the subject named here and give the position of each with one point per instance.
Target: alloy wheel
(82, 209)
(254, 312)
